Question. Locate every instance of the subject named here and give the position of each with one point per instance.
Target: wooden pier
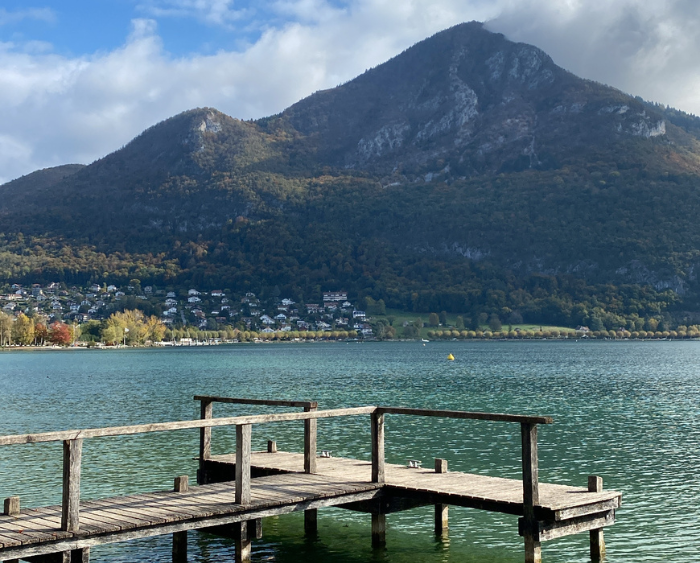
(235, 492)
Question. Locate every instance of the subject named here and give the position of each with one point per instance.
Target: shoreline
(7, 349)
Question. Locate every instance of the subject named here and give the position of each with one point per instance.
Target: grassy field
(398, 318)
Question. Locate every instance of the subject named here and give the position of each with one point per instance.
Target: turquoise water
(628, 411)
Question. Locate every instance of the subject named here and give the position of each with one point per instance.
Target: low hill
(469, 173)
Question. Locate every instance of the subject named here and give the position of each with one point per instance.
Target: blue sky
(80, 78)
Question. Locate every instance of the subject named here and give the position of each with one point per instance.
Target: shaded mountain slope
(466, 164)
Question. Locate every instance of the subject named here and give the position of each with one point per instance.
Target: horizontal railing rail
(207, 412)
(73, 440)
(178, 425)
(495, 417)
(264, 402)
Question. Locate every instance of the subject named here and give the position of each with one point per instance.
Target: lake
(628, 411)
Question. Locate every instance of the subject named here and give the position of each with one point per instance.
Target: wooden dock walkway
(236, 491)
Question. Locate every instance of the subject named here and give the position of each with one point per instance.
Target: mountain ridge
(466, 153)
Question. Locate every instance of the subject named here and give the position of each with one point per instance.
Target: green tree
(433, 319)
(443, 318)
(494, 322)
(460, 322)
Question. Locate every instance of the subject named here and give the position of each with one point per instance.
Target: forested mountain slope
(468, 173)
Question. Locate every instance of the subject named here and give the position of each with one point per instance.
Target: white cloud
(643, 48)
(10, 17)
(215, 12)
(56, 109)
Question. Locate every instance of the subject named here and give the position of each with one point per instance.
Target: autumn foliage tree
(60, 334)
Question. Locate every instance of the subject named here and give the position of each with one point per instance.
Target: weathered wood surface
(38, 531)
(72, 455)
(453, 487)
(495, 417)
(265, 402)
(63, 435)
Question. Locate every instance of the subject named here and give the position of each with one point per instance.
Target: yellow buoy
(450, 357)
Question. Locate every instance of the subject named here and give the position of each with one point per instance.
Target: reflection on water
(628, 411)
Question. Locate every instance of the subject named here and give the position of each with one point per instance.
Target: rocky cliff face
(466, 145)
(469, 99)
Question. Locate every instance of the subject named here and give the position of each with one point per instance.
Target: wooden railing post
(377, 447)
(531, 493)
(243, 435)
(597, 537)
(310, 436)
(206, 412)
(70, 508)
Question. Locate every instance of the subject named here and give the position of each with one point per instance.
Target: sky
(81, 78)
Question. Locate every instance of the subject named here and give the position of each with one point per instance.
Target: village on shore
(108, 315)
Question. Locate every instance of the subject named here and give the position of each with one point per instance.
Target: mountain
(468, 173)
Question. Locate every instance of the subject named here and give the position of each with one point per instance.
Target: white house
(358, 314)
(193, 299)
(193, 292)
(335, 296)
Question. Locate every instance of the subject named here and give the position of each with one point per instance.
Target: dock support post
(255, 529)
(377, 447)
(271, 447)
(442, 511)
(242, 541)
(595, 485)
(243, 434)
(81, 555)
(378, 530)
(206, 412)
(311, 522)
(179, 547)
(70, 507)
(310, 435)
(531, 494)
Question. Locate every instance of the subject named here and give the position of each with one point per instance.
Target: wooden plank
(573, 512)
(310, 437)
(265, 402)
(177, 425)
(243, 435)
(70, 506)
(82, 541)
(496, 417)
(378, 467)
(553, 530)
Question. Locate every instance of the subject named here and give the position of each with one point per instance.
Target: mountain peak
(468, 97)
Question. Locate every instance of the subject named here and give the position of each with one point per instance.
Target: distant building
(335, 296)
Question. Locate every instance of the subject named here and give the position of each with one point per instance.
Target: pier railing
(73, 441)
